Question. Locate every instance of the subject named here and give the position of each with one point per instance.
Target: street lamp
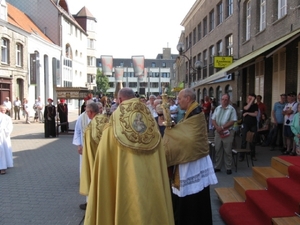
(192, 70)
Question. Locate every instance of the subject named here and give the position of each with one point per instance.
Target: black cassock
(49, 117)
(62, 109)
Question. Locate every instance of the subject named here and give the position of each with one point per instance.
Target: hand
(245, 114)
(79, 149)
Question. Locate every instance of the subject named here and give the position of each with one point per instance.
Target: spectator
(62, 109)
(250, 111)
(26, 111)
(288, 111)
(7, 104)
(295, 127)
(40, 108)
(223, 120)
(264, 128)
(17, 107)
(173, 109)
(49, 115)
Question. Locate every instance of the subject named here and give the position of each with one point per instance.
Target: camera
(287, 121)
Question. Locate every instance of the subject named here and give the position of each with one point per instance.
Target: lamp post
(191, 70)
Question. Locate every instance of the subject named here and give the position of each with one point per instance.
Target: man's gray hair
(126, 93)
(93, 106)
(152, 96)
(190, 92)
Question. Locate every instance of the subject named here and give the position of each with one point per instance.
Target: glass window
(211, 54)
(220, 13)
(282, 8)
(194, 36)
(211, 20)
(205, 26)
(199, 31)
(229, 44)
(19, 54)
(262, 21)
(248, 20)
(4, 50)
(229, 7)
(220, 48)
(153, 64)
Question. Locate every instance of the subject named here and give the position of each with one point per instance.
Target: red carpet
(291, 159)
(281, 199)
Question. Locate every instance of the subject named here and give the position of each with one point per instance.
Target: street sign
(222, 61)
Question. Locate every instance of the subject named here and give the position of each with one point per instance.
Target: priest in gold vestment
(92, 136)
(186, 146)
(130, 182)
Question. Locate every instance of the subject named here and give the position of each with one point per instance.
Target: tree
(102, 82)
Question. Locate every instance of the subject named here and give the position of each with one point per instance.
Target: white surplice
(6, 127)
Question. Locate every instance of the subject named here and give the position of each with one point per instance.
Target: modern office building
(158, 74)
(263, 39)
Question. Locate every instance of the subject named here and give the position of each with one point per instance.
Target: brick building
(263, 37)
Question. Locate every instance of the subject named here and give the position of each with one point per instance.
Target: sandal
(2, 172)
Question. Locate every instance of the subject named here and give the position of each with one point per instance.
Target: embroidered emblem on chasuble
(135, 127)
(97, 125)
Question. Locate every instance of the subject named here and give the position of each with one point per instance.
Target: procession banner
(119, 72)
(138, 65)
(107, 65)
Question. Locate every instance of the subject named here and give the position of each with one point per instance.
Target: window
(3, 10)
(194, 36)
(211, 54)
(190, 40)
(19, 55)
(229, 45)
(4, 50)
(164, 65)
(262, 19)
(229, 8)
(219, 48)
(220, 13)
(205, 58)
(199, 32)
(205, 26)
(91, 61)
(282, 8)
(68, 51)
(211, 20)
(248, 19)
(91, 43)
(153, 64)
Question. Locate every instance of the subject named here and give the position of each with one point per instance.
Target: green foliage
(102, 82)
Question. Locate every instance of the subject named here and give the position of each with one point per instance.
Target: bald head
(125, 94)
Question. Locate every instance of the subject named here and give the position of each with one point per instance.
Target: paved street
(42, 188)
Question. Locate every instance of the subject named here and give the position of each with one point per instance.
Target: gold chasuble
(130, 181)
(92, 136)
(186, 141)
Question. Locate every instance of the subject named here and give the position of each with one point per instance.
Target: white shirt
(7, 104)
(17, 103)
(80, 126)
(6, 127)
(290, 117)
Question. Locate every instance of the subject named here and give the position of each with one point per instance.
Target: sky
(135, 27)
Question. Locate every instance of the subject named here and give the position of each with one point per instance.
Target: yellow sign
(222, 61)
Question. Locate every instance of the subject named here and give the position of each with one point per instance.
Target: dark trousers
(246, 128)
(193, 209)
(17, 112)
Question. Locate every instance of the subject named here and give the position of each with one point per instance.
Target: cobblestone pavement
(42, 187)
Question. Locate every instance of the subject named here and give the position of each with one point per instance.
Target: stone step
(241, 184)
(228, 194)
(280, 165)
(261, 174)
(295, 220)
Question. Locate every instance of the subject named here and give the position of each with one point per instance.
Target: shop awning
(222, 73)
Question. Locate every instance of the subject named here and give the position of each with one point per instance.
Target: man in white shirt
(17, 107)
(40, 108)
(7, 104)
